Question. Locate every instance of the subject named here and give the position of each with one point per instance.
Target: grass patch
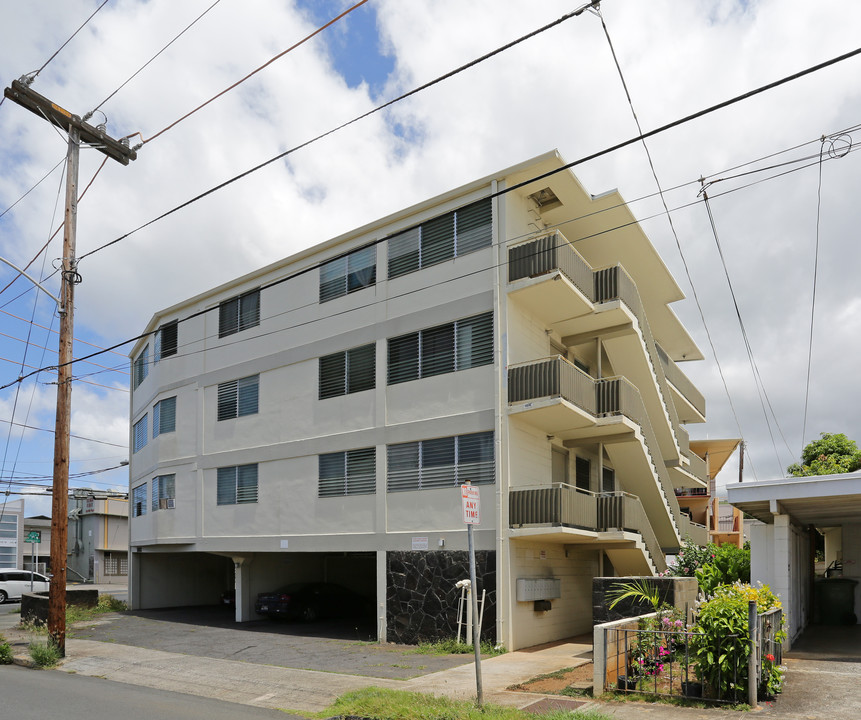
(451, 646)
(402, 705)
(679, 701)
(106, 604)
(44, 654)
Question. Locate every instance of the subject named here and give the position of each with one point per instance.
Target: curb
(23, 661)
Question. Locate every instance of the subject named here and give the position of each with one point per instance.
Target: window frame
(161, 349)
(421, 464)
(140, 367)
(157, 486)
(347, 371)
(139, 500)
(246, 315)
(224, 495)
(140, 433)
(245, 398)
(346, 269)
(161, 424)
(358, 473)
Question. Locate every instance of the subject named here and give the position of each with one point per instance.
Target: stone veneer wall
(680, 592)
(421, 597)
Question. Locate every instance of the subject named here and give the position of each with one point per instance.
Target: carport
(791, 510)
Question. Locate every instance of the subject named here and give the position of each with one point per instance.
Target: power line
(317, 265)
(55, 332)
(39, 182)
(377, 109)
(252, 73)
(77, 437)
(142, 67)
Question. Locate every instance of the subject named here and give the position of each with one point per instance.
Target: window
(239, 313)
(139, 501)
(441, 462)
(459, 345)
(582, 473)
(140, 433)
(348, 273)
(353, 472)
(348, 372)
(442, 238)
(141, 368)
(237, 485)
(165, 341)
(164, 416)
(238, 397)
(163, 492)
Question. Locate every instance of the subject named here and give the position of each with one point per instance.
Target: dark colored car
(310, 601)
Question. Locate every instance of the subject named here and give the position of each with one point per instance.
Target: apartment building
(98, 536)
(314, 420)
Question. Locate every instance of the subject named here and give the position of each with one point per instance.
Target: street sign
(471, 504)
(34, 536)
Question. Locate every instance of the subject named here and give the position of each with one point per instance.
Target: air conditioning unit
(166, 503)
(171, 504)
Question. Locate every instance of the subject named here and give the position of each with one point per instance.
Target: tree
(832, 454)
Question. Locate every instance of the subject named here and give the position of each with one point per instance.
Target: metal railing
(563, 505)
(551, 377)
(682, 382)
(547, 254)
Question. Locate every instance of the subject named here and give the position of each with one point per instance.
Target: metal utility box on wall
(531, 589)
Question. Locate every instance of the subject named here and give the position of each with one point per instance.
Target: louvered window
(164, 416)
(140, 433)
(164, 492)
(348, 273)
(349, 371)
(141, 368)
(460, 345)
(139, 500)
(238, 397)
(353, 472)
(165, 342)
(237, 485)
(239, 313)
(441, 238)
(441, 462)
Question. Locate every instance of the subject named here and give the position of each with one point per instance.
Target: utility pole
(740, 460)
(79, 132)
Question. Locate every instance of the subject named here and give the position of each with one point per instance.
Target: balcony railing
(681, 381)
(687, 492)
(698, 534)
(547, 254)
(562, 505)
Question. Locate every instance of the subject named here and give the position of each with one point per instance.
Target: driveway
(329, 646)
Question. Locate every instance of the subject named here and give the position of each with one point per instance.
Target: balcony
(690, 403)
(607, 520)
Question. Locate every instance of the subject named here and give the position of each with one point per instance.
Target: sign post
(471, 502)
(34, 537)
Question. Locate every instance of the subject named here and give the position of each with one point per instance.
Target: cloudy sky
(771, 198)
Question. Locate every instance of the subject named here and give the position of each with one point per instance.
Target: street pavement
(297, 667)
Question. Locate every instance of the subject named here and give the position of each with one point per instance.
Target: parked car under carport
(311, 601)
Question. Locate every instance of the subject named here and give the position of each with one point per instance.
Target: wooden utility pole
(79, 132)
(741, 461)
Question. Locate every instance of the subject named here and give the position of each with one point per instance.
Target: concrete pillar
(134, 592)
(381, 596)
(242, 586)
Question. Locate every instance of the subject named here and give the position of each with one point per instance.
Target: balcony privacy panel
(551, 377)
(546, 254)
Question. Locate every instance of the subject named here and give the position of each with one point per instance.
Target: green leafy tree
(832, 454)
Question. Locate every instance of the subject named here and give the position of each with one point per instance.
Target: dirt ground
(556, 682)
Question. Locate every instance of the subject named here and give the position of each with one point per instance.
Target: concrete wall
(570, 614)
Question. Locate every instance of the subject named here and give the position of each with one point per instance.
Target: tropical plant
(641, 592)
(720, 645)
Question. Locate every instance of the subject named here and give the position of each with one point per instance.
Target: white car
(15, 582)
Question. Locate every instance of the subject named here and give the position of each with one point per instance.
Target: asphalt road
(36, 695)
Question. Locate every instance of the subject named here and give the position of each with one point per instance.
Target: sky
(777, 210)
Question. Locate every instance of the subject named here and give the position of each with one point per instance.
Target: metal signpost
(34, 537)
(471, 502)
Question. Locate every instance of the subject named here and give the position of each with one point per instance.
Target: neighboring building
(40, 524)
(11, 533)
(782, 546)
(313, 420)
(723, 521)
(98, 537)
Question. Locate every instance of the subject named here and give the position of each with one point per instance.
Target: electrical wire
(251, 74)
(77, 437)
(317, 265)
(377, 109)
(142, 67)
(673, 229)
(44, 177)
(580, 161)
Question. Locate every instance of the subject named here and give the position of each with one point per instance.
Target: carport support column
(781, 560)
(242, 586)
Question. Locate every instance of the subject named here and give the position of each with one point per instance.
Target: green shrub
(5, 652)
(721, 650)
(729, 564)
(44, 654)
